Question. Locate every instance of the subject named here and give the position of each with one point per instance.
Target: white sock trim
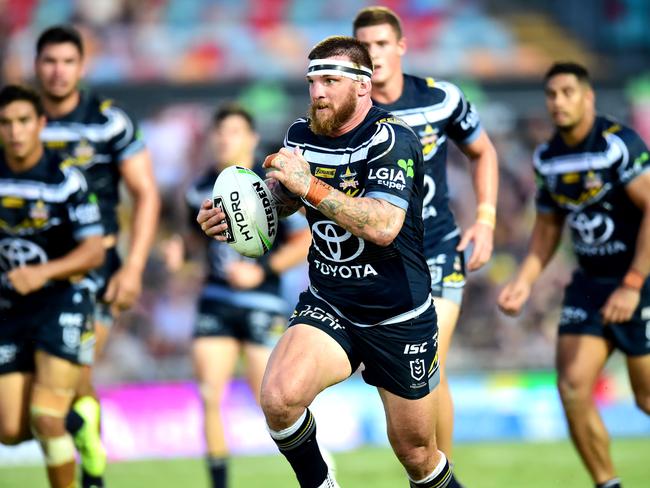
(612, 482)
(437, 470)
(292, 429)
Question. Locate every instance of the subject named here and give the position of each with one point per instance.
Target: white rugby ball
(250, 213)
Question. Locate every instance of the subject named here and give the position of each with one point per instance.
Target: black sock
(301, 450)
(444, 479)
(613, 483)
(89, 481)
(218, 467)
(73, 422)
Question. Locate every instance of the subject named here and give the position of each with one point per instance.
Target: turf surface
(478, 466)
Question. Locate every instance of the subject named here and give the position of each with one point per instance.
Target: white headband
(339, 67)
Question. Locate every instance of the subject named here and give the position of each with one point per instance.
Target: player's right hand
(513, 297)
(27, 279)
(212, 220)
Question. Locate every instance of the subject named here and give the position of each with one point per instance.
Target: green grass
(478, 466)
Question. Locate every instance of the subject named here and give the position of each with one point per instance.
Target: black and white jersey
(267, 296)
(44, 213)
(96, 136)
(366, 283)
(587, 183)
(436, 111)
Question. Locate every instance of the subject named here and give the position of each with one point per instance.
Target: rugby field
(489, 465)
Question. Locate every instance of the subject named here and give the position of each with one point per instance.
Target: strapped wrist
(486, 214)
(633, 280)
(317, 191)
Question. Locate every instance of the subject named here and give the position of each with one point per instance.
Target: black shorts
(583, 299)
(58, 321)
(101, 276)
(218, 319)
(401, 358)
(447, 268)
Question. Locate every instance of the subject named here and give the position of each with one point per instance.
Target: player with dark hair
(437, 111)
(96, 135)
(594, 174)
(358, 171)
(240, 310)
(50, 237)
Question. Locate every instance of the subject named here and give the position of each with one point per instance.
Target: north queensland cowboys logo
(418, 369)
(593, 229)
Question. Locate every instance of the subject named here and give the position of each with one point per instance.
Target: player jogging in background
(358, 171)
(593, 174)
(50, 237)
(240, 311)
(96, 135)
(437, 111)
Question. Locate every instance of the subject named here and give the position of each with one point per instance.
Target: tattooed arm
(372, 219)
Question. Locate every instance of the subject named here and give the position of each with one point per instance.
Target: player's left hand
(620, 305)
(289, 168)
(482, 235)
(123, 289)
(244, 275)
(27, 279)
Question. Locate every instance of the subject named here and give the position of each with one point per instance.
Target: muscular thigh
(256, 357)
(305, 361)
(580, 359)
(215, 359)
(639, 371)
(14, 397)
(410, 422)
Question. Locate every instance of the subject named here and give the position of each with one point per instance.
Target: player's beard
(328, 125)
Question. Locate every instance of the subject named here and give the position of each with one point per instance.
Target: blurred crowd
(260, 45)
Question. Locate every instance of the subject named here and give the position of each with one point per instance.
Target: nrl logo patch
(418, 369)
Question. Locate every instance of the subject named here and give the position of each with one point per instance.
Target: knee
(414, 457)
(278, 401)
(45, 426)
(643, 401)
(211, 395)
(572, 392)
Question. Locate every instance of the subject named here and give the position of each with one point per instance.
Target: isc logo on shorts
(67, 319)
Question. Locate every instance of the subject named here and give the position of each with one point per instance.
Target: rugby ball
(250, 213)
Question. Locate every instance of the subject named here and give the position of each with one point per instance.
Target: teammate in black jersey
(359, 173)
(50, 237)
(240, 310)
(101, 138)
(437, 111)
(593, 174)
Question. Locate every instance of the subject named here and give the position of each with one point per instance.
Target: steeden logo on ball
(250, 214)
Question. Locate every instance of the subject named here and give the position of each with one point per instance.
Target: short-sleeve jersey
(587, 184)
(96, 136)
(44, 213)
(380, 158)
(266, 296)
(436, 110)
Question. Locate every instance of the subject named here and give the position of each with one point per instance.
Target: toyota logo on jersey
(335, 243)
(15, 252)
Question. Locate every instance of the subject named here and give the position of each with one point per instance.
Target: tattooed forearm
(285, 202)
(369, 218)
